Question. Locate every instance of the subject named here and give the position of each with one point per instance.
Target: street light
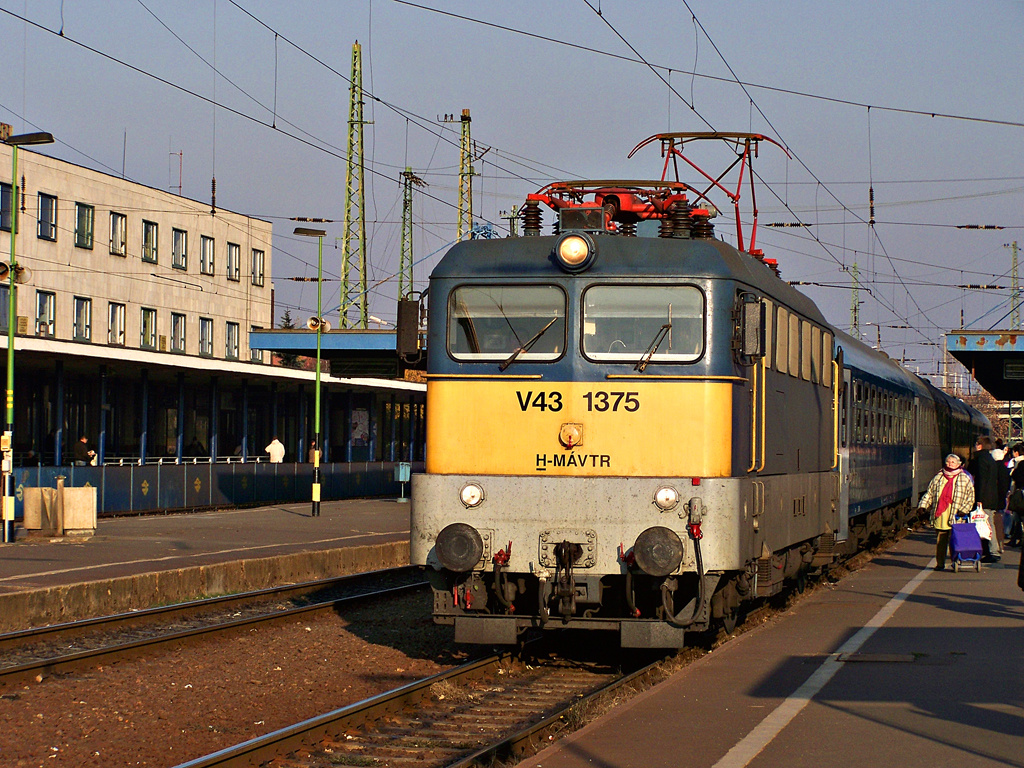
(319, 235)
(7, 441)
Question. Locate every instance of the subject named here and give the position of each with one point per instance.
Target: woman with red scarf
(950, 493)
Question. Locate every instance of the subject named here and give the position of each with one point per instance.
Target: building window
(84, 217)
(115, 324)
(206, 255)
(5, 207)
(257, 267)
(148, 340)
(46, 312)
(256, 355)
(179, 249)
(149, 234)
(205, 337)
(177, 332)
(118, 234)
(231, 341)
(83, 319)
(5, 305)
(234, 257)
(47, 217)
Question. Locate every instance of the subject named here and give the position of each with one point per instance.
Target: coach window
(794, 345)
(806, 344)
(624, 323)
(490, 322)
(782, 341)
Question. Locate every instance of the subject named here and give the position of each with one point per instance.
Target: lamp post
(319, 235)
(7, 441)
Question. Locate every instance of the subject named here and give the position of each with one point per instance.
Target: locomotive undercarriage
(553, 576)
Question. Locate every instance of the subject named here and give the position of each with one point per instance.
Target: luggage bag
(965, 546)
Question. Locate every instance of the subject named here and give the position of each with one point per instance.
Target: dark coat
(991, 480)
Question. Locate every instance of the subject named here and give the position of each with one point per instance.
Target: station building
(134, 314)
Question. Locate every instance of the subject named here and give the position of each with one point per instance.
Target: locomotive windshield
(496, 322)
(651, 323)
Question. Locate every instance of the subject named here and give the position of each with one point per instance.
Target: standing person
(1014, 500)
(276, 451)
(83, 452)
(999, 450)
(950, 493)
(991, 482)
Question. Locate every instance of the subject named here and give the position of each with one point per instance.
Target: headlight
(666, 498)
(575, 251)
(658, 551)
(471, 495)
(459, 547)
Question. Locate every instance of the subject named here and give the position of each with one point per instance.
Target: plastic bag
(980, 520)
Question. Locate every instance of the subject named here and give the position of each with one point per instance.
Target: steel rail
(63, 631)
(71, 661)
(262, 748)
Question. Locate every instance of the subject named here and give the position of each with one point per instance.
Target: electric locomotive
(637, 434)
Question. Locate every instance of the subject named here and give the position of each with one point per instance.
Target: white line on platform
(25, 576)
(759, 738)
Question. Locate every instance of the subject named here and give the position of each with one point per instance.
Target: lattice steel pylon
(354, 293)
(465, 225)
(405, 265)
(1014, 289)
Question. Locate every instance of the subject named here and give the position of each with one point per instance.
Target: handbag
(1016, 501)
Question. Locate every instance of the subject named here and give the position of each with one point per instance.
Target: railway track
(486, 710)
(67, 647)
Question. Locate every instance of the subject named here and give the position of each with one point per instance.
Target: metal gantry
(353, 260)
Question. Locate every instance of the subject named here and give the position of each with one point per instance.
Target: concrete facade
(152, 252)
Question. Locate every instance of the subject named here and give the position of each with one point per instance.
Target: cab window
(624, 323)
(490, 322)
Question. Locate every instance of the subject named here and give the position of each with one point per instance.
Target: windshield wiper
(526, 346)
(659, 337)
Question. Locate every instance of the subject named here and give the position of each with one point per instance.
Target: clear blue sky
(549, 109)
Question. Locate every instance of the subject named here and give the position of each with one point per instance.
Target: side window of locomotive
(806, 346)
(782, 341)
(490, 322)
(769, 329)
(826, 357)
(622, 323)
(815, 354)
(794, 345)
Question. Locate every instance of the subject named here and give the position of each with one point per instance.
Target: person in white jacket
(276, 451)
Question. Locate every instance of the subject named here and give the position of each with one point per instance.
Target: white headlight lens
(573, 250)
(666, 498)
(471, 495)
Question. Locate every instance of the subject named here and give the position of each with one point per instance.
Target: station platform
(897, 664)
(138, 562)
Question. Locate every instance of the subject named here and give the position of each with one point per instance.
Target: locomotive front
(588, 427)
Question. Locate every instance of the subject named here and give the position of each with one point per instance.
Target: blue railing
(172, 487)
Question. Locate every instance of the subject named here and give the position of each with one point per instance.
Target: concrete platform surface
(895, 665)
(134, 562)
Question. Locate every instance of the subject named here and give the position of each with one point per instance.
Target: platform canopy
(350, 352)
(994, 358)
